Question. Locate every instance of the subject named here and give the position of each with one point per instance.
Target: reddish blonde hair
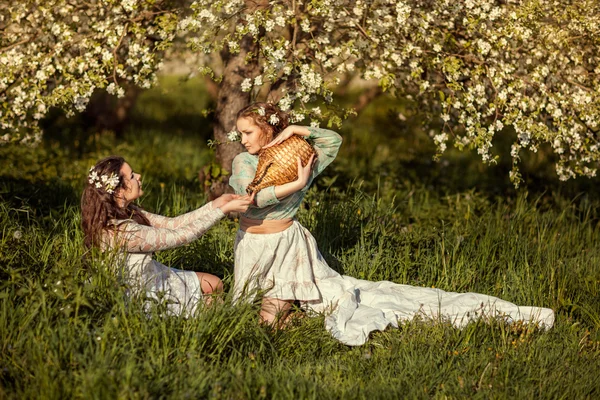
(254, 112)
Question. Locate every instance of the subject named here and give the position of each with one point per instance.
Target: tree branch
(115, 52)
(2, 50)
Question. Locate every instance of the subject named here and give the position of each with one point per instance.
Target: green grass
(66, 330)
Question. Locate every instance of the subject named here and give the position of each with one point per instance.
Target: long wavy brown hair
(99, 207)
(253, 112)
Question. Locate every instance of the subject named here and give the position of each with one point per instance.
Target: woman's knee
(209, 283)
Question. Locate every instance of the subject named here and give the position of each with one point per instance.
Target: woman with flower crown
(110, 220)
(278, 258)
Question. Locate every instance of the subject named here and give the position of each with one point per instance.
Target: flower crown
(109, 182)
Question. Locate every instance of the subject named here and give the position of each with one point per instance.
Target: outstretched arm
(136, 238)
(160, 221)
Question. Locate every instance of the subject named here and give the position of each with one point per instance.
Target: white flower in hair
(261, 111)
(109, 183)
(273, 119)
(93, 176)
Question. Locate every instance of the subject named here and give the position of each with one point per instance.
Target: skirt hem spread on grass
(288, 266)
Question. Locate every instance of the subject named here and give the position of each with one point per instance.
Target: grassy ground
(383, 211)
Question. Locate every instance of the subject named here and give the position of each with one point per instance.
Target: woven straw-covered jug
(279, 164)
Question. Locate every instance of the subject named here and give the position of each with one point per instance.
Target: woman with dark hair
(278, 258)
(110, 220)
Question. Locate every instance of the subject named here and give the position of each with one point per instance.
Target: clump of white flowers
(478, 63)
(107, 182)
(273, 119)
(478, 59)
(233, 136)
(56, 53)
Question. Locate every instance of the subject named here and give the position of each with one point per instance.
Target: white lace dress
(179, 290)
(288, 266)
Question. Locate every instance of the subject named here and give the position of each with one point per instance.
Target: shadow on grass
(388, 143)
(37, 199)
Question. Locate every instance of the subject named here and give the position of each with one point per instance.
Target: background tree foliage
(478, 66)
(56, 53)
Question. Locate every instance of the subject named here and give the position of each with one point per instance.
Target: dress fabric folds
(289, 266)
(178, 290)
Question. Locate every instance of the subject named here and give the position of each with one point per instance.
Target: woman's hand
(223, 199)
(287, 133)
(304, 172)
(238, 204)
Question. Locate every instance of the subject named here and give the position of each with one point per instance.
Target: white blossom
(285, 103)
(233, 136)
(273, 119)
(477, 61)
(246, 85)
(305, 25)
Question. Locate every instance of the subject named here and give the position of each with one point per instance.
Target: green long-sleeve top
(326, 144)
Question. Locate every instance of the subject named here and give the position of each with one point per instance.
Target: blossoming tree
(55, 53)
(481, 64)
(484, 64)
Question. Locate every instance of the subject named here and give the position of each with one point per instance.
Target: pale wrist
(299, 185)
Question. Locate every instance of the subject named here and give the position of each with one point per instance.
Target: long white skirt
(288, 266)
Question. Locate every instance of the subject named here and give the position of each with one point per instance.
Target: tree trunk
(229, 101)
(107, 112)
(366, 98)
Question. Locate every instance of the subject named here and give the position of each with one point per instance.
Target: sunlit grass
(66, 329)
(383, 211)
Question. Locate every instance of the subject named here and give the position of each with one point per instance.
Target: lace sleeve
(138, 238)
(242, 173)
(160, 221)
(327, 144)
